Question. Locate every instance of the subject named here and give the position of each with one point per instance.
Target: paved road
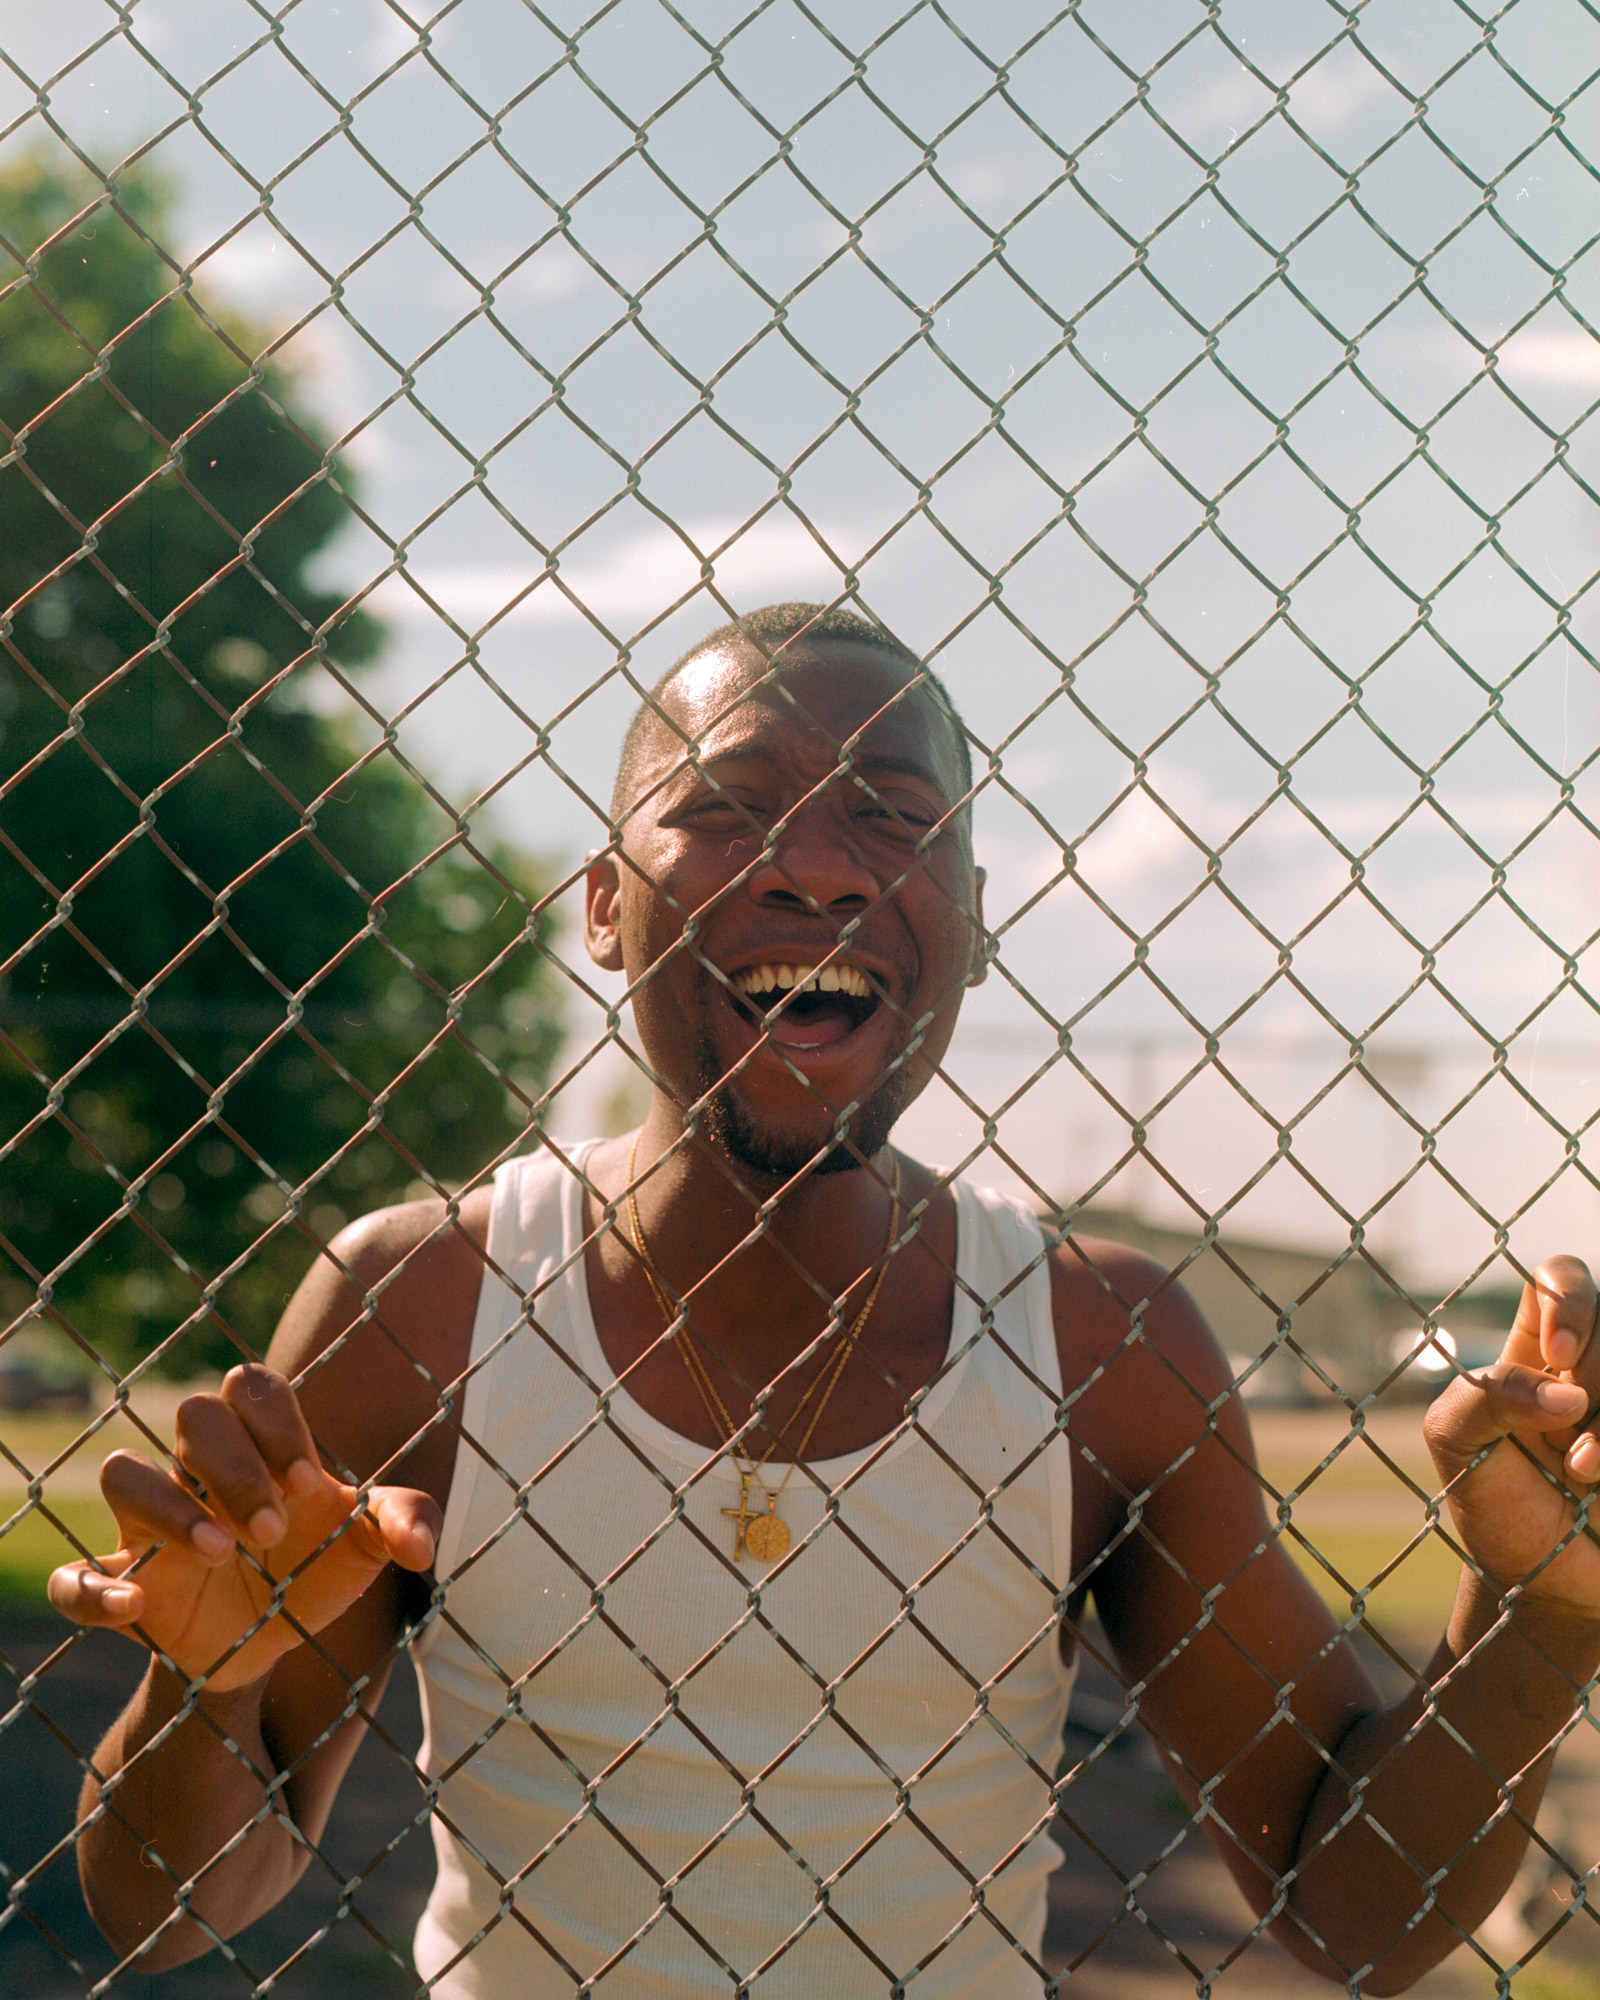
(1184, 1921)
(50, 1950)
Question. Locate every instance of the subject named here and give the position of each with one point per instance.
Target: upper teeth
(831, 979)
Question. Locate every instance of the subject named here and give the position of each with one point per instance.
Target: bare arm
(215, 1777)
(1263, 1713)
(1439, 1770)
(228, 1799)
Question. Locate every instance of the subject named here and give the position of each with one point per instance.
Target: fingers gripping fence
(1204, 394)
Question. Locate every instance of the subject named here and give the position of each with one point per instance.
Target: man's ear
(602, 912)
(980, 937)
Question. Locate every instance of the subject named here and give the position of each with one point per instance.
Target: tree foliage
(236, 954)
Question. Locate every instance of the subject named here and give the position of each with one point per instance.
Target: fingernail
(425, 1536)
(118, 1597)
(1563, 1348)
(1561, 1399)
(212, 1542)
(266, 1526)
(1584, 1459)
(302, 1477)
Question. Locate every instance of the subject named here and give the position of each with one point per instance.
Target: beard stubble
(779, 1156)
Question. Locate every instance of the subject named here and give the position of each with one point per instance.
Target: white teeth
(831, 979)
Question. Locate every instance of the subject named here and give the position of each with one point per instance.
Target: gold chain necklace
(765, 1536)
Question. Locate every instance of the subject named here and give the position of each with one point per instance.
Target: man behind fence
(775, 1471)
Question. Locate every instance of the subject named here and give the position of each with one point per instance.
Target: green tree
(329, 993)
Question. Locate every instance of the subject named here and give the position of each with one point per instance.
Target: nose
(811, 864)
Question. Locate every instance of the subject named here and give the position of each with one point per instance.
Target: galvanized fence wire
(1143, 111)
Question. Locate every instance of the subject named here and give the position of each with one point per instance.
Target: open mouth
(819, 1005)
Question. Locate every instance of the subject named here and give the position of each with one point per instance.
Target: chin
(779, 1149)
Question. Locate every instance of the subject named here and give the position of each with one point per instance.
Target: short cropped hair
(768, 631)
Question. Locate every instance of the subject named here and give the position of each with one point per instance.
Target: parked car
(1430, 1364)
(29, 1381)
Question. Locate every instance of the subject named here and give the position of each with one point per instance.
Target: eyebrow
(862, 763)
(905, 767)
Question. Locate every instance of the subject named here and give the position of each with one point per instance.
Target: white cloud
(1549, 356)
(1336, 94)
(630, 584)
(1540, 353)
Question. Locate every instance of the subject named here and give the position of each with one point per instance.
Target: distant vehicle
(1279, 1383)
(1432, 1364)
(27, 1383)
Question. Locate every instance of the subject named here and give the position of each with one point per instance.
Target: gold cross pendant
(742, 1514)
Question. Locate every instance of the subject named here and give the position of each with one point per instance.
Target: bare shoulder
(1121, 1311)
(1145, 1377)
(380, 1325)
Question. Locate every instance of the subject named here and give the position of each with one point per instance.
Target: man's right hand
(199, 1554)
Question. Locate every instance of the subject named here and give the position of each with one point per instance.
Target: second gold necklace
(762, 1535)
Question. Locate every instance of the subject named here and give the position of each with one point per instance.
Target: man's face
(788, 927)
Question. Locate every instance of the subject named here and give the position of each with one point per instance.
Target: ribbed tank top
(662, 1775)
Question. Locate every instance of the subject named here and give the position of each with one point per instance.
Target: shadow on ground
(1155, 1943)
(49, 1947)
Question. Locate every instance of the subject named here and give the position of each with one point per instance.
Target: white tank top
(664, 1775)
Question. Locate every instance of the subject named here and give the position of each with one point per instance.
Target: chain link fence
(1204, 391)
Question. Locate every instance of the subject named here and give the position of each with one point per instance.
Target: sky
(1211, 418)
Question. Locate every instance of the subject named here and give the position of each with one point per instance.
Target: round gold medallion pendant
(766, 1538)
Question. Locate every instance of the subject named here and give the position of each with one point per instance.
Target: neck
(774, 1276)
(761, 1263)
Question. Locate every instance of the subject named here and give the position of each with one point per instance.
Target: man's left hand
(1517, 1446)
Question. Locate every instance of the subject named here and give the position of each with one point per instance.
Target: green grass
(1359, 1515)
(1554, 1979)
(33, 1441)
(33, 1546)
(1420, 1592)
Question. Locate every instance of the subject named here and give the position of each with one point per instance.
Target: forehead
(731, 703)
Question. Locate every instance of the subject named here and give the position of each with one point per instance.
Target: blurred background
(1204, 390)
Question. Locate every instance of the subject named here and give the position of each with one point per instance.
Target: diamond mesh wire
(1204, 391)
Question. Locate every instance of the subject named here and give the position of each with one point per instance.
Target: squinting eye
(740, 812)
(898, 817)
